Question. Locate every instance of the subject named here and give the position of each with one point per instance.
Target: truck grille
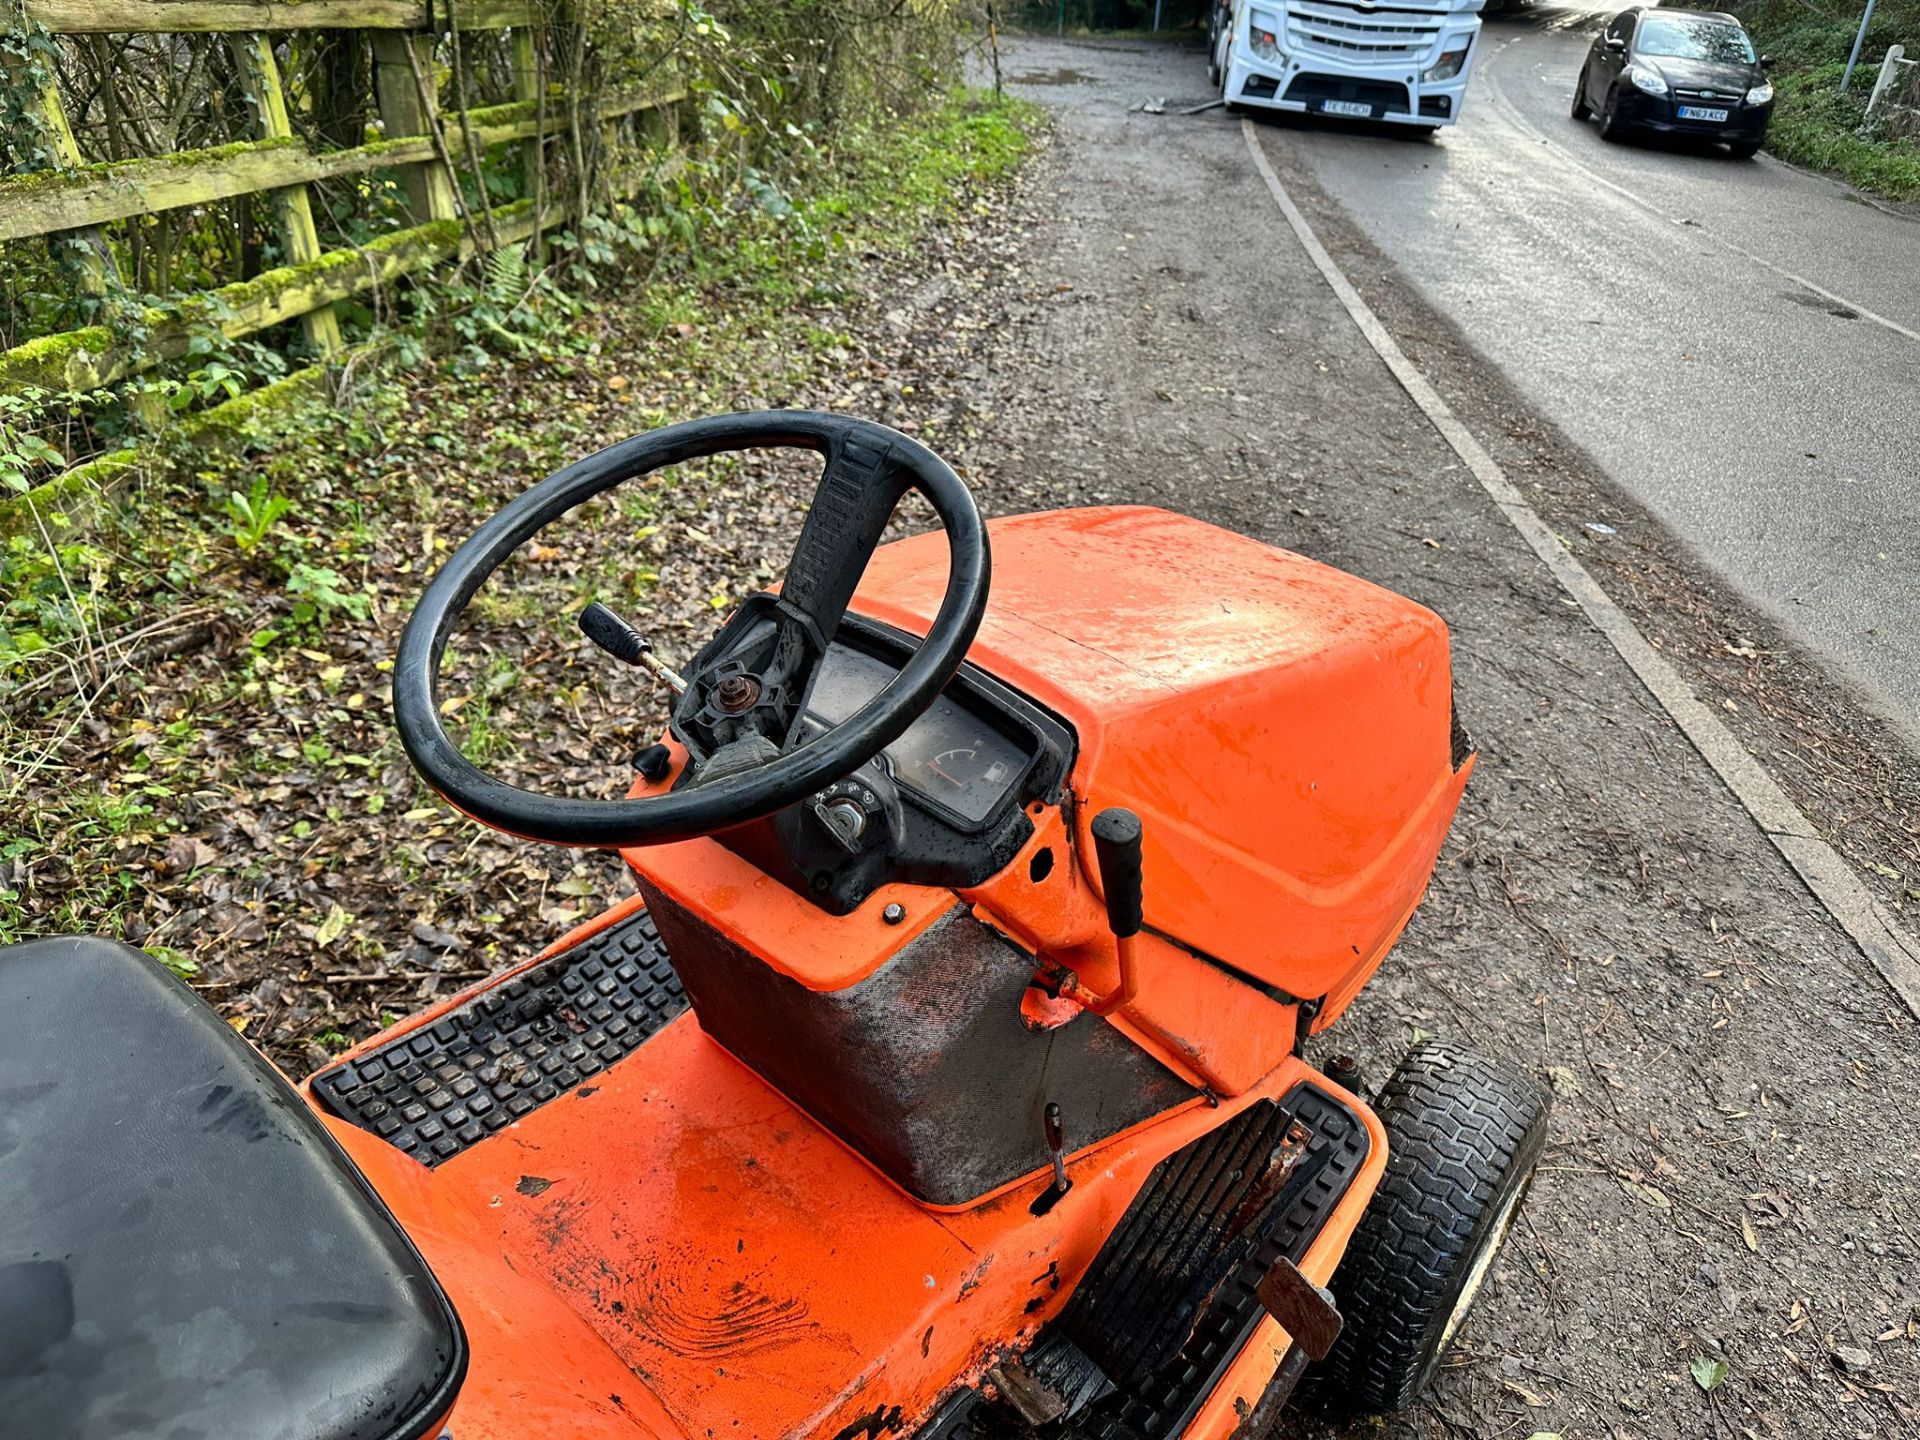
(1343, 31)
(1384, 96)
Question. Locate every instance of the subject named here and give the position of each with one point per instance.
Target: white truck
(1401, 61)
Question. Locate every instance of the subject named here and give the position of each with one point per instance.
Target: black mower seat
(185, 1254)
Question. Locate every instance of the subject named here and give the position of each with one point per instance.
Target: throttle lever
(1116, 842)
(619, 639)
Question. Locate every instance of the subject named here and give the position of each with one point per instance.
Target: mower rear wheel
(1463, 1136)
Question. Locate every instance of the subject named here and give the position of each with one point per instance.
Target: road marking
(1831, 879)
(1500, 98)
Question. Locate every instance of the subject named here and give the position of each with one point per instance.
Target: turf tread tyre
(1464, 1133)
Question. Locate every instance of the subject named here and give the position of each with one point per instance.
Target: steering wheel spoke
(755, 675)
(745, 691)
(859, 488)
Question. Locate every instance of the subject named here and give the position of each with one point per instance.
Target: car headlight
(1446, 67)
(1261, 32)
(1760, 94)
(1645, 77)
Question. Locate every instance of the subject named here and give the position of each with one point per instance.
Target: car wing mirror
(1766, 62)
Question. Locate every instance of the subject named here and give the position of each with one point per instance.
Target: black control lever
(1054, 1128)
(1116, 843)
(619, 639)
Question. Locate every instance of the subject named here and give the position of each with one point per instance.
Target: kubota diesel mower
(944, 1078)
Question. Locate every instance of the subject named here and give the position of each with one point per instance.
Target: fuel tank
(1284, 730)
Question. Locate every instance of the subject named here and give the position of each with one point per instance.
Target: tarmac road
(1643, 297)
(1735, 1164)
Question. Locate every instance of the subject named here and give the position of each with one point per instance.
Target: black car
(1679, 72)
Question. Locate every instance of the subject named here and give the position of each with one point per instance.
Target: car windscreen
(1681, 38)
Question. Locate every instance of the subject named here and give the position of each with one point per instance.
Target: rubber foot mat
(1160, 1404)
(439, 1089)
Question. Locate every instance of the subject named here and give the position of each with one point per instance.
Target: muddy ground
(1735, 1167)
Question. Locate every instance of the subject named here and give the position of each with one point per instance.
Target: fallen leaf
(1746, 1234)
(187, 853)
(331, 928)
(1709, 1373)
(1539, 1402)
(1651, 1194)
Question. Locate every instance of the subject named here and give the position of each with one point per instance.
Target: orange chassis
(676, 1249)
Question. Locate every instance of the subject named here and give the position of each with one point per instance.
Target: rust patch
(926, 1343)
(883, 1420)
(974, 1276)
(533, 1185)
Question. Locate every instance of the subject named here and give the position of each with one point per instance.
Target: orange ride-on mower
(944, 1078)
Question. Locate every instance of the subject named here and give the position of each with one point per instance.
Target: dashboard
(945, 804)
(954, 759)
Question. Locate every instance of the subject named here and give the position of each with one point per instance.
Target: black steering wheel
(740, 714)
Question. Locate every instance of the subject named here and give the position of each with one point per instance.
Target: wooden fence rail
(419, 144)
(120, 17)
(52, 200)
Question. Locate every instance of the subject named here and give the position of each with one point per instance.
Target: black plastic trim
(1051, 738)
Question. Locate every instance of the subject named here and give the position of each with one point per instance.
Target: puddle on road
(1052, 77)
(1830, 307)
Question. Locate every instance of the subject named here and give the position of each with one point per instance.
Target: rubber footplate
(1161, 1403)
(436, 1090)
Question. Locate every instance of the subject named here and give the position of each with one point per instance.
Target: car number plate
(1347, 107)
(1696, 112)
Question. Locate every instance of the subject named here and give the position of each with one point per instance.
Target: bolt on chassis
(944, 1077)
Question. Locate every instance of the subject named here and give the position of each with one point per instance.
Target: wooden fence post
(260, 77)
(529, 85)
(398, 58)
(99, 273)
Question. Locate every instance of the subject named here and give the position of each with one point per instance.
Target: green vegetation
(1813, 123)
(194, 744)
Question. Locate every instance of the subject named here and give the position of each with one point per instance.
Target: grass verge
(1813, 123)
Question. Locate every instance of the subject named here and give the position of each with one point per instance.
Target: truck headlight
(1645, 77)
(1262, 33)
(1446, 67)
(1760, 94)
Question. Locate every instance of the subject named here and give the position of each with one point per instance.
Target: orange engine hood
(1282, 728)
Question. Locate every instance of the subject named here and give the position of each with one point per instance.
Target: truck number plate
(1364, 110)
(1695, 112)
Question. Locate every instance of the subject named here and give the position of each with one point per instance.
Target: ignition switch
(845, 820)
